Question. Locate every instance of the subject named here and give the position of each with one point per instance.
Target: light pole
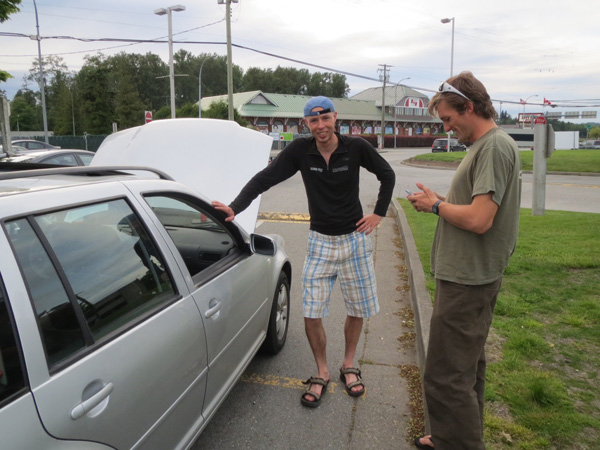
(525, 102)
(162, 12)
(447, 20)
(200, 89)
(395, 107)
(41, 73)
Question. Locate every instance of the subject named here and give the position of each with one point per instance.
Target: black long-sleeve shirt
(333, 189)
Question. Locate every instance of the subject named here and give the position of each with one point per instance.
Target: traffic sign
(148, 116)
(539, 120)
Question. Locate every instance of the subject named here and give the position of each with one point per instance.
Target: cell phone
(408, 192)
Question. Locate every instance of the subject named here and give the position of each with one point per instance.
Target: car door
(230, 285)
(124, 347)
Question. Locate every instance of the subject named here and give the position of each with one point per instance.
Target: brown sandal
(349, 386)
(317, 401)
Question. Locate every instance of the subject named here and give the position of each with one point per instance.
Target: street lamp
(162, 12)
(447, 20)
(200, 89)
(395, 107)
(525, 102)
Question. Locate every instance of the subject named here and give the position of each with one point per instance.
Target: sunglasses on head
(447, 87)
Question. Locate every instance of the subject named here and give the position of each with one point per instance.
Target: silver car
(59, 157)
(129, 308)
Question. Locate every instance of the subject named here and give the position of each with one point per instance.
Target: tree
(220, 110)
(257, 79)
(288, 80)
(8, 7)
(5, 75)
(129, 105)
(594, 133)
(214, 76)
(24, 116)
(505, 119)
(188, 110)
(96, 95)
(60, 104)
(328, 84)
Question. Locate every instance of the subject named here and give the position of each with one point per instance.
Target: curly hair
(466, 83)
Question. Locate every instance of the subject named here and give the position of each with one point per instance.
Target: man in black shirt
(338, 245)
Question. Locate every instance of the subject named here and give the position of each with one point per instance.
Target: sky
(520, 50)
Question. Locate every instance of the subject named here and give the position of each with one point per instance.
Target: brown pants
(454, 376)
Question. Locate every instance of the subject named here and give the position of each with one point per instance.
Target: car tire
(279, 318)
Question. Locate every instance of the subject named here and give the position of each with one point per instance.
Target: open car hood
(214, 157)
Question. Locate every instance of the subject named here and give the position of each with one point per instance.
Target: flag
(523, 102)
(547, 102)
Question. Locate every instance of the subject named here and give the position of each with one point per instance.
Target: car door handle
(86, 406)
(214, 307)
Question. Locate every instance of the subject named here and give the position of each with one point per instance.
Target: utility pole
(41, 73)
(229, 62)
(385, 76)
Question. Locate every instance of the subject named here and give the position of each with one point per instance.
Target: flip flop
(348, 387)
(317, 397)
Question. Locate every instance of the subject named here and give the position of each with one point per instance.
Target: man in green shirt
(475, 237)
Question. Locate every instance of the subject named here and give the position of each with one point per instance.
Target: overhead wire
(554, 103)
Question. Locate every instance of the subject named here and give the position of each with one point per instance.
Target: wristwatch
(436, 208)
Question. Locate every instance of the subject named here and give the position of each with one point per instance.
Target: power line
(555, 103)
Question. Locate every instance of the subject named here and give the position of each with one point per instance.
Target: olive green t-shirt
(492, 164)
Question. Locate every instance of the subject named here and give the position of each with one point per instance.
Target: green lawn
(543, 383)
(560, 161)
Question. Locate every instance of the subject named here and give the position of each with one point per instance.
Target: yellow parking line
(284, 382)
(592, 186)
(284, 217)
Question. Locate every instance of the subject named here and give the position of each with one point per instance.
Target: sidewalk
(393, 412)
(264, 411)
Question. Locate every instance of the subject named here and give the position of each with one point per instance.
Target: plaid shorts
(349, 257)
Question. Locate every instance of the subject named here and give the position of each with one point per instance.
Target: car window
(64, 160)
(94, 271)
(201, 240)
(12, 379)
(57, 319)
(86, 159)
(34, 145)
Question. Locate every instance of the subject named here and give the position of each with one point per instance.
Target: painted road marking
(284, 217)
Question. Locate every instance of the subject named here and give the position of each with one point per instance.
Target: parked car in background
(590, 144)
(129, 307)
(15, 150)
(441, 145)
(32, 144)
(58, 157)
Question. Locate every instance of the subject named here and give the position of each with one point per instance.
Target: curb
(420, 298)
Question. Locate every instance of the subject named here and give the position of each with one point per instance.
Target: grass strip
(583, 161)
(543, 384)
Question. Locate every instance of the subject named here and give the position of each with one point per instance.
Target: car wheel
(279, 319)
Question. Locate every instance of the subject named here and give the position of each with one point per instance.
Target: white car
(129, 307)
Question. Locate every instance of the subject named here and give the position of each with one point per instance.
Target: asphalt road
(264, 411)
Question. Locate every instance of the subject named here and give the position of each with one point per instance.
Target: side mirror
(262, 245)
